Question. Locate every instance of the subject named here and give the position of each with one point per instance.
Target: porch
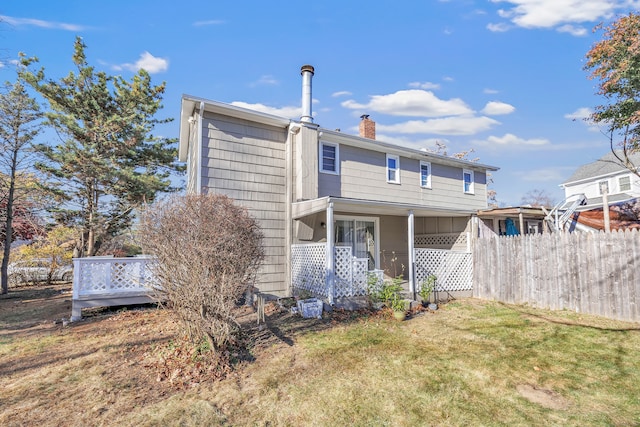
(453, 270)
(388, 239)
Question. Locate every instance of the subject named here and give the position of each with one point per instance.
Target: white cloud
(558, 14)
(511, 140)
(500, 27)
(424, 85)
(208, 22)
(341, 93)
(148, 62)
(288, 112)
(581, 113)
(447, 79)
(2, 64)
(495, 108)
(573, 30)
(51, 25)
(412, 102)
(265, 80)
(463, 125)
(489, 91)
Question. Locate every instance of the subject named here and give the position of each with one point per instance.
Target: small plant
(374, 288)
(398, 303)
(303, 294)
(427, 286)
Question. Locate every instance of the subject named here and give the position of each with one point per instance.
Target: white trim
(336, 159)
(376, 231)
(599, 184)
(397, 168)
(471, 184)
(412, 259)
(428, 183)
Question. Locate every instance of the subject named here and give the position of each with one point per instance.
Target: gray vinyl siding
(246, 161)
(363, 175)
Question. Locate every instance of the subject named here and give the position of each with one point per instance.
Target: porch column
(410, 239)
(330, 276)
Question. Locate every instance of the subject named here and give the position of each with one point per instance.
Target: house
(334, 207)
(605, 180)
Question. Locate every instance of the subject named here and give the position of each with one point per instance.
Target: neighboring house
(513, 220)
(317, 191)
(622, 188)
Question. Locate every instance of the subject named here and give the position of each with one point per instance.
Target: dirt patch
(543, 397)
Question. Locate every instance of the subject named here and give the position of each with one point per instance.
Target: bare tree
(537, 197)
(209, 251)
(19, 125)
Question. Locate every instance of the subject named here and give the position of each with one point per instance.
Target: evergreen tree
(108, 161)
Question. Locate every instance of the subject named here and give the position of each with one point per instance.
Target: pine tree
(108, 161)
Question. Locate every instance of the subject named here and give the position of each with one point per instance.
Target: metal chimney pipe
(307, 73)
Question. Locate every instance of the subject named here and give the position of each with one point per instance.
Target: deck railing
(108, 281)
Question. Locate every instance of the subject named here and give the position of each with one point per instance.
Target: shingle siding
(246, 161)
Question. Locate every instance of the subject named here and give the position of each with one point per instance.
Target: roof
(528, 211)
(191, 103)
(606, 165)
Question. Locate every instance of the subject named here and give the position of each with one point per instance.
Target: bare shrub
(208, 251)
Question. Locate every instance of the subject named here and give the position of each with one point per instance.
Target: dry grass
(470, 363)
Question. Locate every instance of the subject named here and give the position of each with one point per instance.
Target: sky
(505, 78)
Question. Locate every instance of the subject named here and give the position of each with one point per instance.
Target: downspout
(199, 148)
(330, 270)
(412, 261)
(294, 129)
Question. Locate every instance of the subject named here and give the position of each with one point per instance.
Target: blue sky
(504, 77)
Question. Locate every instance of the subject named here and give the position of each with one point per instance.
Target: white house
(334, 206)
(605, 174)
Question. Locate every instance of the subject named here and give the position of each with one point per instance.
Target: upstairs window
(393, 169)
(624, 183)
(603, 187)
(467, 181)
(329, 158)
(425, 174)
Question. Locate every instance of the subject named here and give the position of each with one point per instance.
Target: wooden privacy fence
(594, 273)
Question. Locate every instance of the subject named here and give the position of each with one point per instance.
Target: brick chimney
(367, 127)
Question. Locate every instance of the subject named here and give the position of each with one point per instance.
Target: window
(624, 182)
(393, 169)
(329, 158)
(467, 181)
(603, 187)
(425, 174)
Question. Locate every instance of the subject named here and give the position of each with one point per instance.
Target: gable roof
(606, 165)
(191, 103)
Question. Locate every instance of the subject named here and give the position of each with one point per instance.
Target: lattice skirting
(453, 269)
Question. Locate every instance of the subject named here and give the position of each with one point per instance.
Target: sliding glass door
(361, 233)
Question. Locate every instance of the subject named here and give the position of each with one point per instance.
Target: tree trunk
(6, 253)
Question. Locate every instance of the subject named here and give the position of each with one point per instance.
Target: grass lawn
(470, 363)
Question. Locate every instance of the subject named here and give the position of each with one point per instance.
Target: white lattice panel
(448, 240)
(453, 269)
(359, 282)
(308, 267)
(95, 275)
(344, 271)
